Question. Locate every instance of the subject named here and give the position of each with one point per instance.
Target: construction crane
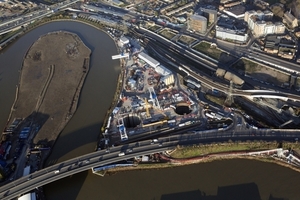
(147, 105)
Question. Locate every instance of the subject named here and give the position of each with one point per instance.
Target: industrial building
(152, 62)
(167, 76)
(197, 23)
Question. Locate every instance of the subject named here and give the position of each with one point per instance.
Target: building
(28, 196)
(237, 11)
(117, 2)
(269, 28)
(258, 15)
(260, 24)
(279, 28)
(124, 40)
(197, 23)
(259, 28)
(152, 62)
(230, 34)
(290, 20)
(268, 15)
(210, 14)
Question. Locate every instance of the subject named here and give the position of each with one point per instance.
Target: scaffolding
(122, 129)
(154, 99)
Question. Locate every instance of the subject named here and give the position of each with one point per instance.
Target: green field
(204, 47)
(245, 65)
(187, 40)
(198, 150)
(167, 34)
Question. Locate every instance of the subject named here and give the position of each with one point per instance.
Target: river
(217, 179)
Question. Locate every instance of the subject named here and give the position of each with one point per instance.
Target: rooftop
(238, 10)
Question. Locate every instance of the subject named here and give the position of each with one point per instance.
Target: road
(101, 158)
(10, 25)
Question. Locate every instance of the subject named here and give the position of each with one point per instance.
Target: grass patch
(10, 34)
(187, 40)
(217, 100)
(198, 150)
(246, 65)
(167, 34)
(204, 47)
(154, 28)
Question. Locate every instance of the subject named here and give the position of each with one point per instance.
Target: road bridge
(102, 158)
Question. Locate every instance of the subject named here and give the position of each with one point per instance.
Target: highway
(101, 158)
(11, 25)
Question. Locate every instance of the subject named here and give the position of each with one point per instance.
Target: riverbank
(189, 155)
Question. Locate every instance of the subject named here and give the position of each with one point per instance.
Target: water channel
(227, 178)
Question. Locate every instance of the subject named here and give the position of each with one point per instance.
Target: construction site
(152, 100)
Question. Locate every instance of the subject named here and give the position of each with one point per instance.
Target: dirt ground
(262, 73)
(52, 75)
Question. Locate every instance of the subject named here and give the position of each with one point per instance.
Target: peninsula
(52, 75)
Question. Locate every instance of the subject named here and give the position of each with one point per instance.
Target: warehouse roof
(152, 62)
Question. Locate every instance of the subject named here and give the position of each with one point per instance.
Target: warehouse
(168, 80)
(152, 62)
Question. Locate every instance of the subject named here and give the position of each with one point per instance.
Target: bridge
(102, 158)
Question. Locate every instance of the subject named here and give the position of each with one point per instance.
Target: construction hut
(234, 78)
(220, 72)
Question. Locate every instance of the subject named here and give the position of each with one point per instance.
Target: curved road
(100, 158)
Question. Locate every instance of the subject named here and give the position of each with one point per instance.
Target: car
(56, 171)
(87, 161)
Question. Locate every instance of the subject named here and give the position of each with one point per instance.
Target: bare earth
(52, 75)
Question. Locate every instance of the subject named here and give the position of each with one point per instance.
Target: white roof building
(162, 70)
(152, 62)
(124, 40)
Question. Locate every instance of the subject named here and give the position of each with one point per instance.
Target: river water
(233, 179)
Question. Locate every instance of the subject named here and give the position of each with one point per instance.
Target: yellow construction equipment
(147, 107)
(161, 112)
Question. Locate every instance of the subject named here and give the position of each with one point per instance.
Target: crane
(147, 105)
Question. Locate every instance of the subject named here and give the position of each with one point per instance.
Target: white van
(122, 154)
